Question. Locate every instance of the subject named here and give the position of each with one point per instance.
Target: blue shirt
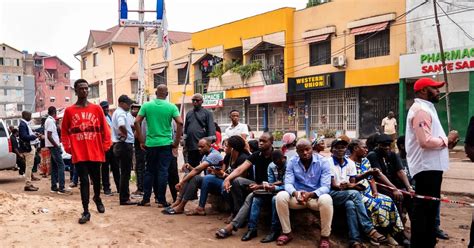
(274, 176)
(122, 118)
(316, 179)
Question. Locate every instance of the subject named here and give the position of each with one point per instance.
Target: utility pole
(141, 53)
(443, 62)
(181, 109)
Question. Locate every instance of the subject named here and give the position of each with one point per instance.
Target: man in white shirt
(428, 157)
(236, 128)
(53, 144)
(389, 127)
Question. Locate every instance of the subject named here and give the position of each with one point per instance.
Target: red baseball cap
(427, 82)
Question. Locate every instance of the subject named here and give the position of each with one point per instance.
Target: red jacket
(85, 133)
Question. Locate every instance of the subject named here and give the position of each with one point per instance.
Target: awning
(318, 38)
(181, 66)
(159, 70)
(369, 28)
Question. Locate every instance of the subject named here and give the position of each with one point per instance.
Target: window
(94, 91)
(3, 48)
(110, 50)
(38, 62)
(52, 99)
(67, 99)
(372, 44)
(159, 78)
(5, 92)
(1, 61)
(182, 75)
(84, 63)
(19, 107)
(65, 75)
(320, 53)
(259, 58)
(17, 62)
(6, 78)
(66, 87)
(19, 93)
(134, 86)
(132, 50)
(95, 62)
(51, 87)
(19, 78)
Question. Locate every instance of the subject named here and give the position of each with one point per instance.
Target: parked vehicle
(7, 158)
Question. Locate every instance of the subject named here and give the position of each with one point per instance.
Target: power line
(455, 23)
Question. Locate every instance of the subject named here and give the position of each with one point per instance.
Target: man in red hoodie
(85, 135)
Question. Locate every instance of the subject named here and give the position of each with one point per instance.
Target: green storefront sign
(214, 100)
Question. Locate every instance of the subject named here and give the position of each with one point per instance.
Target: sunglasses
(196, 100)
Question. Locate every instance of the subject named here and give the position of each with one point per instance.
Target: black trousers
(110, 165)
(173, 177)
(194, 158)
(423, 226)
(123, 155)
(140, 158)
(86, 170)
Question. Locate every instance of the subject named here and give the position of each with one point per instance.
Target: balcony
(201, 85)
(232, 80)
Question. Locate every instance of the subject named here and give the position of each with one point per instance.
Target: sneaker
(33, 178)
(100, 206)
(73, 185)
(30, 188)
(137, 192)
(108, 192)
(64, 192)
(54, 191)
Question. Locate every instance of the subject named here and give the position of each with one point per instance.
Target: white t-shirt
(342, 173)
(237, 130)
(50, 126)
(390, 125)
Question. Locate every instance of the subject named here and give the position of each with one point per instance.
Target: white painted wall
(422, 35)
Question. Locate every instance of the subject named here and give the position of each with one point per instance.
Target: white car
(7, 158)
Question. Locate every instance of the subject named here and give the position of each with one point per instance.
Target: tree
(312, 3)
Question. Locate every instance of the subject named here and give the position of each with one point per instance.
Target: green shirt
(159, 114)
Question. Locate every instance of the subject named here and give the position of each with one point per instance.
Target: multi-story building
(423, 59)
(244, 65)
(109, 62)
(29, 82)
(346, 64)
(11, 82)
(52, 76)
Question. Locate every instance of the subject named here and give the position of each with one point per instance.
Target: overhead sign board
(214, 100)
(426, 64)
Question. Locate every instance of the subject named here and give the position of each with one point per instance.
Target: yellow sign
(313, 82)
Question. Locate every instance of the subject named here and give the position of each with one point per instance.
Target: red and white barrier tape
(428, 197)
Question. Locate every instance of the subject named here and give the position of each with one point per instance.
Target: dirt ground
(43, 219)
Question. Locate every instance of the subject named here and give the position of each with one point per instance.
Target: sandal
(170, 211)
(195, 213)
(376, 238)
(284, 239)
(222, 234)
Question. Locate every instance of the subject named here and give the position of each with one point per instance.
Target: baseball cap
(426, 82)
(384, 139)
(125, 99)
(339, 141)
(104, 104)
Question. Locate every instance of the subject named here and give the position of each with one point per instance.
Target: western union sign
(313, 82)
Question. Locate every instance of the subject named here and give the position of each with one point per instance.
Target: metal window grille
(320, 53)
(334, 109)
(255, 117)
(221, 115)
(159, 78)
(372, 45)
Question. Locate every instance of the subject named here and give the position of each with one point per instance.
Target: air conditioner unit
(339, 61)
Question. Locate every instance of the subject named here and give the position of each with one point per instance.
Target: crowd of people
(363, 182)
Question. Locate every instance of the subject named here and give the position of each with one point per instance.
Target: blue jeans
(355, 212)
(57, 168)
(210, 184)
(255, 213)
(156, 170)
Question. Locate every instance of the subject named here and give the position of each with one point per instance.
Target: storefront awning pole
(186, 81)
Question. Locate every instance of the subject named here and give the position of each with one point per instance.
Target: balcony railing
(273, 74)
